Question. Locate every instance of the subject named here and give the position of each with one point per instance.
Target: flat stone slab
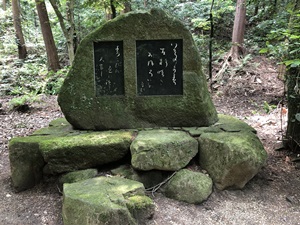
(106, 200)
(98, 95)
(59, 148)
(189, 186)
(162, 150)
(63, 154)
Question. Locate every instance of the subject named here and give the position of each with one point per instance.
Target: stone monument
(139, 70)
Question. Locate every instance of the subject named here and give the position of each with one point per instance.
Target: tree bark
(71, 38)
(53, 62)
(237, 49)
(22, 52)
(113, 9)
(4, 5)
(69, 33)
(293, 92)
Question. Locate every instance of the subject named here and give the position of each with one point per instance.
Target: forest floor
(254, 94)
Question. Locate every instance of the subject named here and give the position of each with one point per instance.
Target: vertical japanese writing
(109, 72)
(159, 67)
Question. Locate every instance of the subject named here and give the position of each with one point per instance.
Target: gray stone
(162, 150)
(231, 158)
(148, 178)
(103, 200)
(84, 110)
(189, 186)
(26, 163)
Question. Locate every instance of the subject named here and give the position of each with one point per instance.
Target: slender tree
(18, 29)
(238, 30)
(293, 83)
(4, 5)
(53, 62)
(113, 9)
(67, 26)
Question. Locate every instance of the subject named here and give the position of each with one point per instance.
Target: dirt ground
(254, 94)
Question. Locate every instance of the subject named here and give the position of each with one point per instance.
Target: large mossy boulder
(231, 157)
(189, 186)
(84, 109)
(106, 200)
(166, 150)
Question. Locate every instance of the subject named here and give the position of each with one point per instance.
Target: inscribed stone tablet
(159, 67)
(109, 72)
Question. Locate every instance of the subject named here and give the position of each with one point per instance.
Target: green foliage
(22, 103)
(54, 81)
(268, 108)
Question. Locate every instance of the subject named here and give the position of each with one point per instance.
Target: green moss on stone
(86, 111)
(105, 201)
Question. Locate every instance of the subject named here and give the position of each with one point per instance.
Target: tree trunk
(237, 49)
(4, 5)
(18, 29)
(71, 38)
(53, 62)
(113, 9)
(293, 92)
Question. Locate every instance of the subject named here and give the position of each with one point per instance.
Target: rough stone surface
(84, 110)
(148, 178)
(103, 200)
(26, 163)
(76, 176)
(189, 186)
(64, 154)
(59, 148)
(162, 150)
(231, 158)
(225, 123)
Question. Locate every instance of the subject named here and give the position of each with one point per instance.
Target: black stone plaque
(109, 68)
(159, 67)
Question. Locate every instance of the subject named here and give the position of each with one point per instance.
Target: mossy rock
(231, 158)
(189, 186)
(77, 176)
(106, 200)
(84, 110)
(59, 149)
(225, 123)
(166, 150)
(87, 150)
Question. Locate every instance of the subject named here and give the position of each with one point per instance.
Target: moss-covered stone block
(76, 176)
(189, 186)
(87, 150)
(231, 158)
(104, 200)
(26, 163)
(59, 148)
(84, 110)
(166, 150)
